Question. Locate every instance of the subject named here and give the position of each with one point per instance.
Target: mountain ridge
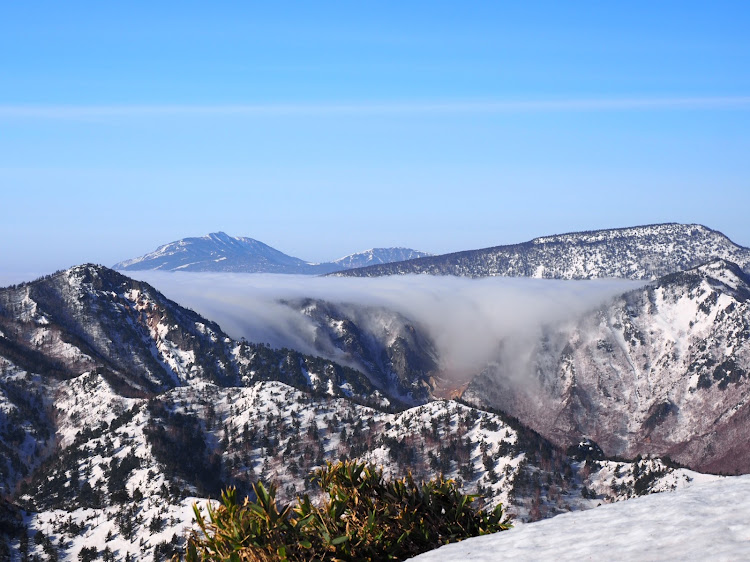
(639, 252)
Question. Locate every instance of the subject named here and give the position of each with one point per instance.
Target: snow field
(708, 520)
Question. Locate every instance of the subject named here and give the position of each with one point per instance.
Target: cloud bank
(467, 319)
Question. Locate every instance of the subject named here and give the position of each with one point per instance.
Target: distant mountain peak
(217, 251)
(379, 256)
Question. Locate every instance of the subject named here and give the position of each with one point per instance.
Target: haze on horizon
(327, 130)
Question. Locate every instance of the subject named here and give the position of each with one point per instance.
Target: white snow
(707, 520)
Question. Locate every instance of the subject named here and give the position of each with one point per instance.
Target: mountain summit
(639, 252)
(220, 252)
(217, 252)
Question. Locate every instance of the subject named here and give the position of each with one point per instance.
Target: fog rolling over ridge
(466, 320)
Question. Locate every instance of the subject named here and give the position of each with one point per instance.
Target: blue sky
(327, 128)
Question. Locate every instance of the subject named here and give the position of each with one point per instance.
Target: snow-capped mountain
(377, 256)
(217, 252)
(93, 318)
(220, 252)
(664, 369)
(641, 252)
(119, 409)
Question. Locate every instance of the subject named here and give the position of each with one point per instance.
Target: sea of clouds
(465, 318)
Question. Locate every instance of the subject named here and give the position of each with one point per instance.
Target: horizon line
(65, 111)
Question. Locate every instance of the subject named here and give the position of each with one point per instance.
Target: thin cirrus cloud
(28, 111)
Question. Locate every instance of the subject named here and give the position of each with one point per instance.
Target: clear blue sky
(326, 128)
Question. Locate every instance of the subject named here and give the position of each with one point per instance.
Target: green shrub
(365, 517)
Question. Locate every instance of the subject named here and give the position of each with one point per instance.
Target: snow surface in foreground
(708, 520)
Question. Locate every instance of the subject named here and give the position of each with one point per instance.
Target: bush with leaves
(365, 517)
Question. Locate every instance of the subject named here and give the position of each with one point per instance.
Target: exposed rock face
(641, 252)
(664, 369)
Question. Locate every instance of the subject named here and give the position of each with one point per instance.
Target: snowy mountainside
(91, 317)
(130, 468)
(640, 252)
(220, 252)
(662, 370)
(376, 256)
(27, 426)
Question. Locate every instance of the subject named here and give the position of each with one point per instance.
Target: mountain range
(640, 252)
(220, 252)
(119, 408)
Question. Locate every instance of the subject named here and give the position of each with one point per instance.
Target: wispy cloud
(28, 111)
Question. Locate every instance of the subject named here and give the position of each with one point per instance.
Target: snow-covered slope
(641, 252)
(663, 370)
(129, 469)
(708, 520)
(220, 252)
